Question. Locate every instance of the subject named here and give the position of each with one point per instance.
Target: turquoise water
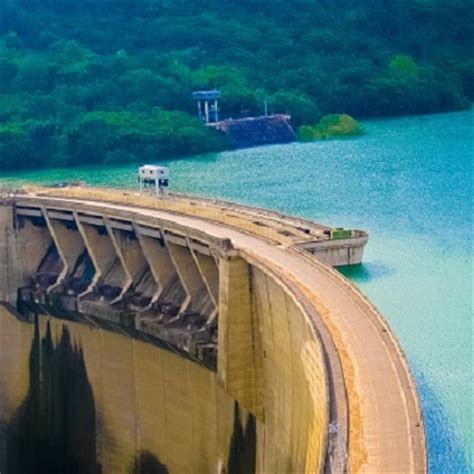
(409, 182)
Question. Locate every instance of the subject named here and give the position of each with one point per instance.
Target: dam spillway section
(245, 294)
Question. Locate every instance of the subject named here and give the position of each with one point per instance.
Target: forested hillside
(87, 81)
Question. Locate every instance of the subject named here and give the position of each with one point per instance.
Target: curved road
(386, 432)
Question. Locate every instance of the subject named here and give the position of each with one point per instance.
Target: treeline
(90, 81)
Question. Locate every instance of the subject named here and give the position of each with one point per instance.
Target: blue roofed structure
(208, 106)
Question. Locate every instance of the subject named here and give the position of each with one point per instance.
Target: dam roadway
(373, 402)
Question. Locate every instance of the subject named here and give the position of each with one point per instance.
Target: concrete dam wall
(207, 341)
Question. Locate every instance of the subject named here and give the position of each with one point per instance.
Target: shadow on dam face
(53, 430)
(80, 399)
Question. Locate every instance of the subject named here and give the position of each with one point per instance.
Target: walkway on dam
(385, 420)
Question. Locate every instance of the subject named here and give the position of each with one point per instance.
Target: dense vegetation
(85, 81)
(331, 126)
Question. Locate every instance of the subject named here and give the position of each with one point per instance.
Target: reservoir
(408, 181)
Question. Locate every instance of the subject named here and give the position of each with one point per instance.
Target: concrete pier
(242, 292)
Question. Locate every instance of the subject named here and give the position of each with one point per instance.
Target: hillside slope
(87, 81)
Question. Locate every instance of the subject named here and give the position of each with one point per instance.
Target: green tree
(35, 73)
(8, 71)
(301, 108)
(404, 68)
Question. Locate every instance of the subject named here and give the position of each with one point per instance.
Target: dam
(208, 337)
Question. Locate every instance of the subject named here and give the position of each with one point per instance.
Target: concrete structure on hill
(208, 105)
(255, 131)
(244, 132)
(244, 294)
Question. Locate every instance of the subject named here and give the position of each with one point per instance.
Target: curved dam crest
(242, 297)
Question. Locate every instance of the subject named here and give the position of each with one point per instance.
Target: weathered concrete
(131, 255)
(158, 257)
(278, 228)
(24, 243)
(197, 296)
(338, 253)
(296, 344)
(146, 398)
(207, 266)
(99, 244)
(68, 242)
(240, 351)
(12, 271)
